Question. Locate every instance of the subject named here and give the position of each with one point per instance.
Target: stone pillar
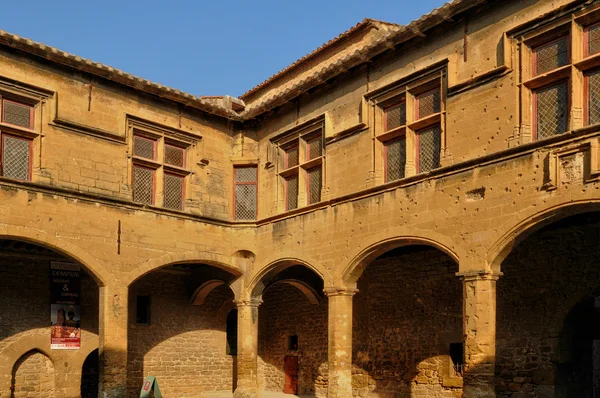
(113, 341)
(479, 333)
(247, 355)
(340, 342)
(5, 383)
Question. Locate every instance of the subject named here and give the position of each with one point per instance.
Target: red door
(290, 365)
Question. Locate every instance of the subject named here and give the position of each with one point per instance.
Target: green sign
(150, 384)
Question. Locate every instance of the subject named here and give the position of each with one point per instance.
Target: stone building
(408, 211)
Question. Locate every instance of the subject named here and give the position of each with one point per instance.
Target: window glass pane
(17, 114)
(173, 192)
(143, 184)
(314, 148)
(429, 149)
(174, 156)
(593, 36)
(245, 174)
(16, 154)
(551, 56)
(143, 147)
(428, 103)
(314, 185)
(395, 116)
(552, 110)
(245, 202)
(292, 157)
(396, 159)
(292, 192)
(593, 80)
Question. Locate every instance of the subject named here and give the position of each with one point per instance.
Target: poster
(65, 313)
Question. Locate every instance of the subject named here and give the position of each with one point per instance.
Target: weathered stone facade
(399, 194)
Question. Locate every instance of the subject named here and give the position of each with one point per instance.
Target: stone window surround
(574, 27)
(299, 137)
(407, 91)
(162, 137)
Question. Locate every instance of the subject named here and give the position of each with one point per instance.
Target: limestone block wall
(184, 345)
(286, 312)
(406, 313)
(33, 376)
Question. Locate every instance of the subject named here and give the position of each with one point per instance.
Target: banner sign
(65, 315)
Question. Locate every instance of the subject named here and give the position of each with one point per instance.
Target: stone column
(479, 333)
(5, 382)
(340, 342)
(113, 341)
(247, 355)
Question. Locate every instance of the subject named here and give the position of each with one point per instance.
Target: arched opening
(33, 375)
(407, 325)
(178, 330)
(548, 324)
(292, 331)
(36, 315)
(90, 376)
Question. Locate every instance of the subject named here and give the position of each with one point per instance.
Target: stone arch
(38, 377)
(311, 294)
(97, 271)
(38, 341)
(261, 280)
(201, 293)
(377, 246)
(214, 259)
(518, 232)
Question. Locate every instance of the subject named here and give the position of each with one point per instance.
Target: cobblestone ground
(266, 394)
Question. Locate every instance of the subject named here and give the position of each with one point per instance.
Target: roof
(387, 36)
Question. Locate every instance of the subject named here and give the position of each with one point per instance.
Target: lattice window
(314, 148)
(174, 155)
(246, 189)
(593, 39)
(429, 149)
(551, 110)
(314, 184)
(291, 188)
(16, 157)
(17, 114)
(551, 56)
(144, 147)
(395, 116)
(173, 191)
(395, 152)
(143, 185)
(593, 100)
(291, 157)
(428, 103)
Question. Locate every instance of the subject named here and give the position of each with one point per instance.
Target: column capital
(479, 275)
(254, 302)
(339, 291)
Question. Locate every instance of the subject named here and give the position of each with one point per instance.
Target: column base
(479, 386)
(245, 393)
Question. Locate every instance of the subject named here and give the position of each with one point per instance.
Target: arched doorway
(547, 312)
(90, 376)
(407, 324)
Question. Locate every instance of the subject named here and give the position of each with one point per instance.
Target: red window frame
(534, 128)
(308, 142)
(31, 113)
(385, 154)
(586, 41)
(418, 145)
(417, 115)
(153, 181)
(236, 183)
(308, 202)
(535, 49)
(182, 178)
(287, 182)
(402, 102)
(176, 147)
(29, 166)
(154, 144)
(586, 94)
(286, 151)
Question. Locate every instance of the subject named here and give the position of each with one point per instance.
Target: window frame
(29, 141)
(31, 113)
(534, 113)
(397, 104)
(167, 172)
(236, 183)
(537, 47)
(386, 145)
(153, 202)
(586, 43)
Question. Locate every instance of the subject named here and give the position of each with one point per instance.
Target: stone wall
(184, 345)
(546, 312)
(286, 312)
(406, 313)
(33, 376)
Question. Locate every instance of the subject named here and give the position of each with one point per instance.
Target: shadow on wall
(182, 344)
(33, 375)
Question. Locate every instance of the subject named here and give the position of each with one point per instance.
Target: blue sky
(201, 47)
